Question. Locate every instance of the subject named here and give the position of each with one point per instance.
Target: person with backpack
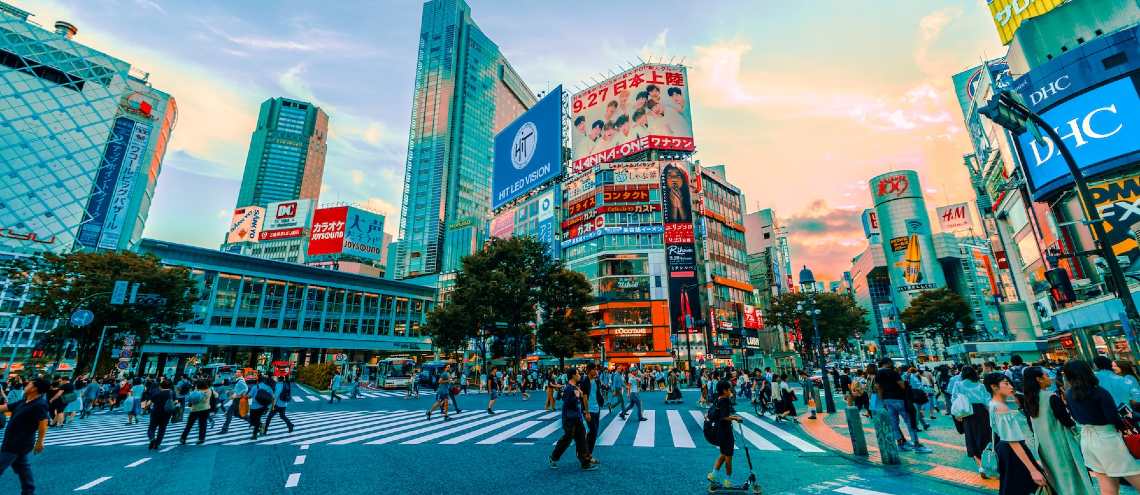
(261, 399)
(337, 379)
(240, 390)
(592, 398)
(283, 392)
(198, 401)
(574, 422)
(717, 429)
(163, 407)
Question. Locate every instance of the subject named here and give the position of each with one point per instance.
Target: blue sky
(803, 101)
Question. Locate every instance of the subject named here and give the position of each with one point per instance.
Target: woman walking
(786, 407)
(548, 382)
(976, 426)
(1019, 474)
(159, 415)
(1101, 444)
(199, 403)
(1057, 444)
(492, 391)
(136, 393)
(703, 382)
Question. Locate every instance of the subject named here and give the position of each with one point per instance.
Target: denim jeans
(634, 400)
(897, 410)
(19, 464)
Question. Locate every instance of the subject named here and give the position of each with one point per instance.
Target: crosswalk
(669, 428)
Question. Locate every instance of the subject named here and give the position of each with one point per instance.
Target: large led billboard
(646, 107)
(286, 219)
(528, 151)
(677, 191)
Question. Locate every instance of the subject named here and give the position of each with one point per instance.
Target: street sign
(129, 340)
(122, 365)
(149, 299)
(119, 294)
(340, 357)
(125, 353)
(134, 292)
(82, 317)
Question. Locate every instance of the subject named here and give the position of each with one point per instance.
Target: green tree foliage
(316, 375)
(938, 312)
(565, 323)
(60, 284)
(839, 318)
(449, 327)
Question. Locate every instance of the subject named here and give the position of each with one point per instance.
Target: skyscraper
(286, 157)
(82, 138)
(465, 91)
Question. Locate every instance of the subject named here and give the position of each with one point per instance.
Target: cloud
(825, 238)
(357, 177)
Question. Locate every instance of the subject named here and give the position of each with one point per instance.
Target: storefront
(1091, 329)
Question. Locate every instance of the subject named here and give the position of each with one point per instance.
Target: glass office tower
(286, 157)
(465, 91)
(82, 138)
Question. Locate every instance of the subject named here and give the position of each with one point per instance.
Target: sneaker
(429, 415)
(905, 447)
(594, 460)
(552, 462)
(643, 419)
(589, 467)
(922, 449)
(727, 484)
(711, 477)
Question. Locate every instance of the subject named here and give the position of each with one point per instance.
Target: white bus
(396, 372)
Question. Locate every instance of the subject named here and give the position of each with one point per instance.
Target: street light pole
(807, 282)
(99, 349)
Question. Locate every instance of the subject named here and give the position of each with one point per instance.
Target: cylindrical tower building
(905, 235)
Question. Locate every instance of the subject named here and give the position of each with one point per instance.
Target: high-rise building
(465, 92)
(82, 138)
(286, 157)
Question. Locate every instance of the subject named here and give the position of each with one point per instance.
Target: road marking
(508, 434)
(313, 398)
(319, 428)
(168, 449)
(392, 420)
(299, 460)
(464, 424)
(138, 462)
(850, 490)
(757, 440)
(243, 437)
(486, 429)
(406, 424)
(681, 436)
(646, 430)
(293, 479)
(298, 399)
(305, 447)
(612, 431)
(93, 483)
(548, 429)
(785, 436)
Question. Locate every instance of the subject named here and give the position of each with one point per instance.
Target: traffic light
(37, 353)
(1059, 286)
(1004, 115)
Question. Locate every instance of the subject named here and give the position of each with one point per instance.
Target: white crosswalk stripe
(669, 428)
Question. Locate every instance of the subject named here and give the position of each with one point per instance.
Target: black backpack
(263, 396)
(1016, 377)
(709, 428)
(286, 392)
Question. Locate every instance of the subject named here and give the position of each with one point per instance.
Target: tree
(839, 318)
(60, 284)
(938, 312)
(448, 326)
(565, 323)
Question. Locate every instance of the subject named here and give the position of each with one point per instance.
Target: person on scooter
(725, 414)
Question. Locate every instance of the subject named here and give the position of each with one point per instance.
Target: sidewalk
(948, 462)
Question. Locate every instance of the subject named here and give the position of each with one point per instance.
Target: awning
(656, 360)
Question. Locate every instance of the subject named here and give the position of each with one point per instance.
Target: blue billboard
(528, 152)
(99, 201)
(1100, 127)
(363, 234)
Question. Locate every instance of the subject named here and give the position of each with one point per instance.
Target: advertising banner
(1118, 202)
(1101, 129)
(503, 225)
(954, 217)
(579, 186)
(907, 240)
(290, 214)
(547, 221)
(363, 234)
(1009, 14)
(100, 198)
(636, 173)
(116, 220)
(327, 234)
(625, 194)
(246, 224)
(753, 318)
(680, 250)
(528, 151)
(870, 223)
(646, 107)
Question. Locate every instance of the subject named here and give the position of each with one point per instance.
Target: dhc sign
(1096, 126)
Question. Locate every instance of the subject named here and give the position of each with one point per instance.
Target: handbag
(989, 459)
(243, 406)
(1131, 436)
(960, 407)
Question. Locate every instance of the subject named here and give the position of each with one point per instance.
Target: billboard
(286, 219)
(1118, 202)
(870, 223)
(907, 240)
(528, 151)
(753, 318)
(646, 107)
(632, 173)
(246, 224)
(363, 234)
(327, 234)
(954, 217)
(1009, 14)
(120, 201)
(1100, 128)
(98, 202)
(680, 250)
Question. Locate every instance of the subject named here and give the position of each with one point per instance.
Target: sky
(802, 101)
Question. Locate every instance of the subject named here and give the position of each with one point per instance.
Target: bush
(317, 375)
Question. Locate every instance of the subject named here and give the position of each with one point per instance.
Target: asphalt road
(384, 444)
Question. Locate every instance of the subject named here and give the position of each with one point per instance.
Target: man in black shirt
(25, 432)
(573, 424)
(892, 396)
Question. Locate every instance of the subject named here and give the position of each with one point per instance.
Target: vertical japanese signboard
(680, 251)
(120, 202)
(99, 201)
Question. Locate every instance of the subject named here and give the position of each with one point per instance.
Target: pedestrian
(550, 387)
(786, 402)
(25, 432)
(808, 386)
(135, 400)
(673, 388)
(722, 415)
(238, 393)
(1123, 392)
(859, 397)
(617, 384)
(702, 382)
(632, 385)
(573, 425)
(90, 396)
(493, 386)
(335, 384)
(452, 391)
(163, 407)
(892, 397)
(442, 393)
(522, 385)
(976, 424)
(1102, 446)
(354, 392)
(592, 398)
(462, 386)
(1057, 444)
(1017, 469)
(261, 398)
(72, 402)
(198, 401)
(282, 394)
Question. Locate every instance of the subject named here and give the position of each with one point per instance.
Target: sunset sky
(802, 101)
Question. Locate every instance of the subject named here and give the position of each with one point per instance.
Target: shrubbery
(317, 375)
